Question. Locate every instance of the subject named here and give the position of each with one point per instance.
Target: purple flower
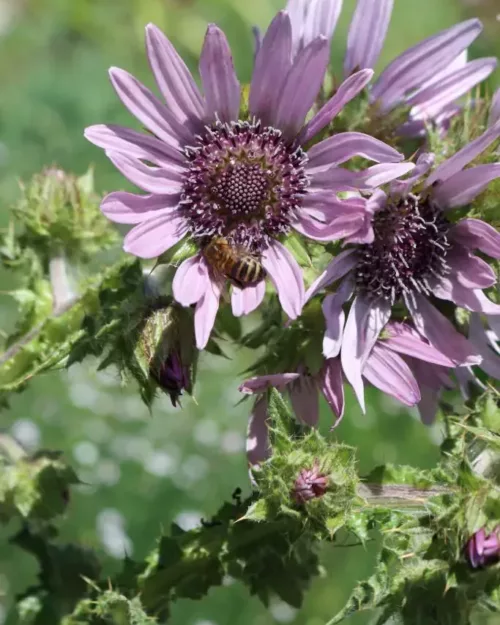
(483, 549)
(310, 484)
(428, 78)
(411, 253)
(495, 109)
(172, 376)
(210, 174)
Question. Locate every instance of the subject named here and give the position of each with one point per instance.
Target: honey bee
(234, 263)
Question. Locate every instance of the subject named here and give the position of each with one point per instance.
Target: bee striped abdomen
(247, 272)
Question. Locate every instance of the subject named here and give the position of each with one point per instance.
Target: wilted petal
(157, 180)
(476, 234)
(340, 227)
(304, 397)
(367, 34)
(365, 322)
(272, 64)
(339, 266)
(402, 187)
(301, 87)
(441, 333)
(258, 449)
(174, 80)
(129, 208)
(261, 383)
(405, 340)
(156, 235)
(205, 313)
(348, 90)
(339, 179)
(244, 301)
(461, 188)
(390, 373)
(331, 384)
(470, 299)
(335, 319)
(133, 143)
(495, 109)
(463, 157)
(222, 89)
(421, 62)
(191, 280)
(286, 276)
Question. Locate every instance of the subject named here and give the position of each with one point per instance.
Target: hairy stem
(399, 494)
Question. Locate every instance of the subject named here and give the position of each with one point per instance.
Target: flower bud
(310, 484)
(483, 549)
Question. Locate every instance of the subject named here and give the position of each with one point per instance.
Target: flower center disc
(410, 247)
(244, 183)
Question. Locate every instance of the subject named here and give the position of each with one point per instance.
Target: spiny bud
(483, 549)
(310, 484)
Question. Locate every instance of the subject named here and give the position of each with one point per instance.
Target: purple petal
(129, 208)
(261, 383)
(244, 301)
(304, 396)
(458, 161)
(339, 266)
(477, 334)
(405, 340)
(205, 313)
(428, 405)
(335, 319)
(365, 322)
(222, 89)
(286, 276)
(258, 449)
(191, 280)
(367, 34)
(339, 179)
(154, 236)
(476, 234)
(441, 333)
(470, 271)
(421, 62)
(470, 299)
(321, 19)
(402, 187)
(390, 374)
(340, 227)
(428, 103)
(158, 180)
(148, 109)
(297, 11)
(331, 384)
(272, 65)
(461, 188)
(174, 80)
(301, 87)
(494, 323)
(343, 146)
(348, 90)
(495, 109)
(132, 143)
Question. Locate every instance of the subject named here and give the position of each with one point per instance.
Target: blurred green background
(144, 471)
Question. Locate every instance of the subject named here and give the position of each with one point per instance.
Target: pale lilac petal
(390, 374)
(343, 146)
(244, 301)
(377, 201)
(441, 333)
(158, 180)
(261, 383)
(339, 266)
(494, 323)
(301, 87)
(257, 446)
(155, 236)
(297, 11)
(304, 397)
(321, 19)
(339, 179)
(129, 208)
(365, 322)
(405, 340)
(205, 313)
(272, 65)
(331, 384)
(222, 89)
(326, 206)
(458, 161)
(348, 90)
(461, 188)
(335, 319)
(191, 280)
(421, 62)
(402, 187)
(470, 299)
(155, 116)
(428, 103)
(429, 404)
(133, 143)
(470, 271)
(174, 80)
(286, 276)
(495, 109)
(476, 234)
(477, 334)
(339, 228)
(458, 63)
(367, 34)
